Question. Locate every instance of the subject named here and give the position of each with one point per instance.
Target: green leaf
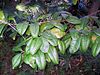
(46, 26)
(21, 7)
(50, 37)
(53, 41)
(30, 60)
(1, 27)
(74, 2)
(47, 58)
(96, 47)
(73, 20)
(53, 55)
(34, 29)
(45, 45)
(74, 46)
(36, 44)
(74, 34)
(40, 60)
(57, 32)
(2, 17)
(85, 41)
(67, 42)
(17, 49)
(97, 31)
(84, 22)
(28, 44)
(21, 27)
(16, 60)
(61, 46)
(58, 25)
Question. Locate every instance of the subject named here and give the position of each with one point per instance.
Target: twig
(94, 13)
(11, 25)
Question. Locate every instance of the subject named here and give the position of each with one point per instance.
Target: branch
(9, 24)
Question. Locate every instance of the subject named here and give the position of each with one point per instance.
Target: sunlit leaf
(74, 2)
(2, 17)
(57, 32)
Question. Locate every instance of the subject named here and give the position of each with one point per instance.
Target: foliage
(40, 37)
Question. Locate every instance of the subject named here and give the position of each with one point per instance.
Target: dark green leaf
(40, 60)
(96, 47)
(1, 27)
(74, 46)
(16, 60)
(46, 26)
(36, 44)
(30, 60)
(73, 20)
(45, 45)
(53, 55)
(34, 29)
(61, 46)
(21, 27)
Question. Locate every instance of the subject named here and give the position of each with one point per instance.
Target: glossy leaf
(73, 20)
(34, 29)
(85, 41)
(47, 58)
(21, 27)
(62, 47)
(97, 31)
(58, 25)
(96, 47)
(74, 46)
(30, 60)
(16, 60)
(74, 34)
(67, 42)
(36, 43)
(40, 60)
(53, 55)
(46, 26)
(1, 27)
(45, 45)
(50, 37)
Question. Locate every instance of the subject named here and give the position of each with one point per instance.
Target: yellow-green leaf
(57, 32)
